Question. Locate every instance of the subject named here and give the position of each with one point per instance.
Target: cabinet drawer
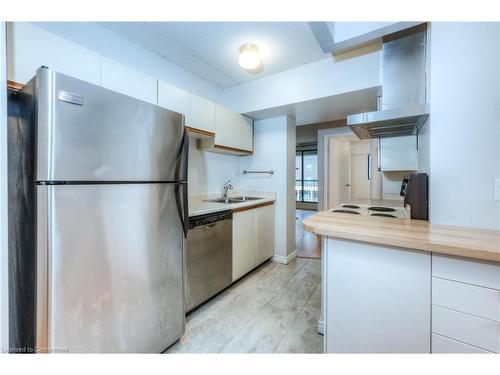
(441, 344)
(465, 270)
(469, 329)
(470, 299)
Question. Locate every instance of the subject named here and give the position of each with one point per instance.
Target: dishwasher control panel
(202, 220)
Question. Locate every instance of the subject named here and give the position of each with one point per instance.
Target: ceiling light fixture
(249, 57)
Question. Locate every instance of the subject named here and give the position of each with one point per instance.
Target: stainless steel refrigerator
(97, 219)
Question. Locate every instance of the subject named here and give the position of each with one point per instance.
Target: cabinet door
(244, 132)
(226, 130)
(398, 154)
(201, 114)
(243, 242)
(122, 79)
(29, 47)
(173, 98)
(264, 233)
(441, 344)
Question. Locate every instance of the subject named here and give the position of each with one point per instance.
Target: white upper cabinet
(226, 131)
(128, 81)
(29, 47)
(244, 126)
(173, 98)
(201, 114)
(233, 130)
(398, 154)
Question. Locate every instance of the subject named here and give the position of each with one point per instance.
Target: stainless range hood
(402, 109)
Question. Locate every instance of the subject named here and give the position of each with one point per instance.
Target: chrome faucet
(227, 186)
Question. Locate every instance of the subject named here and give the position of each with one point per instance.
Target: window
(306, 176)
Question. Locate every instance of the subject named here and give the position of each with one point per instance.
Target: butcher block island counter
(407, 286)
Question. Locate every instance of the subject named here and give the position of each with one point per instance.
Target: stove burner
(347, 212)
(384, 215)
(382, 209)
(350, 206)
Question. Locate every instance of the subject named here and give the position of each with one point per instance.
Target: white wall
(464, 136)
(424, 151)
(318, 79)
(347, 30)
(391, 185)
(208, 170)
(274, 149)
(4, 292)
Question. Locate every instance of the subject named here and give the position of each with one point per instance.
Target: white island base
(377, 299)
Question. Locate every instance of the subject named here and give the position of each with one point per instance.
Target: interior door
(114, 275)
(360, 184)
(339, 177)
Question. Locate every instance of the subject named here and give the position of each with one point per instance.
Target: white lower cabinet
(265, 233)
(253, 238)
(465, 305)
(441, 344)
(470, 299)
(469, 329)
(244, 243)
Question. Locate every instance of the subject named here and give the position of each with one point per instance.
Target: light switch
(497, 189)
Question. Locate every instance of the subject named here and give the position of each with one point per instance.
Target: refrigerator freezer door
(113, 279)
(88, 133)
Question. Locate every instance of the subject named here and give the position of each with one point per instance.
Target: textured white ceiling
(211, 49)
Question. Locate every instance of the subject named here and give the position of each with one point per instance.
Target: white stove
(372, 210)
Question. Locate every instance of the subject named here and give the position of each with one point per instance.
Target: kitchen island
(407, 286)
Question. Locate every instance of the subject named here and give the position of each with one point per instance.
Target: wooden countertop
(409, 234)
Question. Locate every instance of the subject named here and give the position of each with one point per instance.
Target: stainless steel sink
(245, 199)
(230, 200)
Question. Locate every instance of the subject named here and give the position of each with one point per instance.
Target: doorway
(306, 179)
(308, 245)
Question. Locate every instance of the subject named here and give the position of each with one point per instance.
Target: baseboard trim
(284, 260)
(321, 327)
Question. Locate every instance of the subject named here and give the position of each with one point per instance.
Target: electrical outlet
(497, 189)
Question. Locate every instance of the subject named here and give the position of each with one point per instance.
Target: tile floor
(275, 309)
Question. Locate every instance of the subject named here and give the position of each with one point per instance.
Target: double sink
(229, 200)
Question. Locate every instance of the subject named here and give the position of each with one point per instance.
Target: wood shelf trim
(14, 85)
(232, 149)
(200, 132)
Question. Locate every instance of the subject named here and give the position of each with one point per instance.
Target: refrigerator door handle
(182, 202)
(185, 156)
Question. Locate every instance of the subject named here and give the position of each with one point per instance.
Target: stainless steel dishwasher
(209, 256)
